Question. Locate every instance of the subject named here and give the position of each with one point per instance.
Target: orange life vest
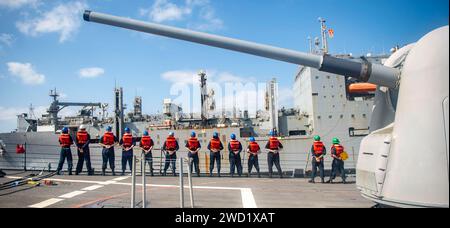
(82, 137)
(215, 144)
(193, 144)
(64, 140)
(234, 144)
(146, 142)
(274, 144)
(108, 138)
(127, 140)
(339, 149)
(318, 148)
(254, 147)
(171, 143)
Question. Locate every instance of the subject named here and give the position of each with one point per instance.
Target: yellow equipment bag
(344, 156)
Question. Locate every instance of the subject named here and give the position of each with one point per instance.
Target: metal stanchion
(144, 185)
(191, 190)
(133, 183)
(181, 184)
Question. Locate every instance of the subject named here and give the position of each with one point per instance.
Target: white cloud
(92, 72)
(6, 39)
(181, 77)
(163, 10)
(8, 115)
(11, 113)
(63, 19)
(14, 4)
(209, 20)
(26, 73)
(228, 77)
(200, 13)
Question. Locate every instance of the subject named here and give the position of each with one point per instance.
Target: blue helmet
(65, 130)
(127, 130)
(272, 133)
(233, 136)
(109, 128)
(171, 133)
(252, 139)
(193, 134)
(145, 133)
(216, 135)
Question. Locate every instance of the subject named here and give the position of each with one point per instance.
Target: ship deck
(163, 192)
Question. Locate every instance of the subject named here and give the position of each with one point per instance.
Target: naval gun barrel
(364, 71)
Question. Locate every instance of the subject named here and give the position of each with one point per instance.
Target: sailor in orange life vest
(253, 150)
(273, 157)
(235, 149)
(108, 141)
(318, 151)
(82, 142)
(338, 164)
(194, 146)
(170, 147)
(128, 143)
(147, 146)
(214, 147)
(65, 140)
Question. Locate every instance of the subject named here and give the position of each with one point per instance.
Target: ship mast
(204, 97)
(323, 33)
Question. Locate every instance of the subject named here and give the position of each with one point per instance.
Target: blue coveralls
(127, 157)
(66, 153)
(337, 166)
(149, 156)
(85, 156)
(316, 164)
(253, 161)
(272, 159)
(214, 157)
(235, 160)
(195, 159)
(108, 156)
(170, 159)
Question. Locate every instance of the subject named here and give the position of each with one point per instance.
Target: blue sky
(45, 44)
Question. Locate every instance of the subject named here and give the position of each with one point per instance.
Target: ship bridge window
(317, 77)
(297, 132)
(353, 132)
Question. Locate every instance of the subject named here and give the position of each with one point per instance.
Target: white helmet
(82, 127)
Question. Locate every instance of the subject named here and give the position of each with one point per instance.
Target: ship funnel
(364, 71)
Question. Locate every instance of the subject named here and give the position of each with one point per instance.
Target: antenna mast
(323, 33)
